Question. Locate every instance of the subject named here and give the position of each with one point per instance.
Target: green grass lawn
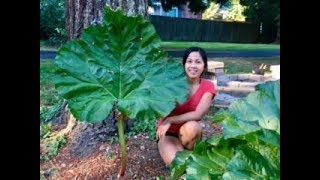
(236, 65)
(45, 47)
(208, 46)
(49, 98)
(217, 46)
(245, 65)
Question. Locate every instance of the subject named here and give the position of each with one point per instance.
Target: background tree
(267, 13)
(233, 11)
(80, 14)
(52, 21)
(211, 11)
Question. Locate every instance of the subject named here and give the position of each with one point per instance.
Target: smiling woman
(181, 128)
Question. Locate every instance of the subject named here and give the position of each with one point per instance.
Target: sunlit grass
(218, 46)
(212, 46)
(245, 65)
(49, 98)
(45, 47)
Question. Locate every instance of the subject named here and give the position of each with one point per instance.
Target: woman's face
(194, 65)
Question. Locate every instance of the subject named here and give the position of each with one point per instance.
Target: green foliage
(119, 63)
(56, 143)
(50, 101)
(114, 139)
(210, 12)
(233, 68)
(52, 143)
(47, 113)
(46, 130)
(143, 126)
(266, 12)
(261, 10)
(52, 21)
(233, 7)
(235, 11)
(47, 69)
(160, 178)
(249, 147)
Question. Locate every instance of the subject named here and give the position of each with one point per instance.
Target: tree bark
(278, 35)
(82, 13)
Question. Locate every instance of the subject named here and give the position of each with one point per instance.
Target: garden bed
(144, 161)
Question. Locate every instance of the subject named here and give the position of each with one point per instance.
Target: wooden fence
(183, 29)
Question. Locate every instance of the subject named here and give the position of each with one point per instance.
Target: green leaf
(233, 128)
(250, 163)
(119, 63)
(179, 165)
(215, 139)
(250, 146)
(259, 110)
(223, 115)
(269, 113)
(212, 161)
(272, 89)
(202, 166)
(230, 175)
(269, 136)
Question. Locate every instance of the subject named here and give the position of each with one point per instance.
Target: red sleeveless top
(191, 104)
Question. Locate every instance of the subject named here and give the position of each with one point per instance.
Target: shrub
(52, 21)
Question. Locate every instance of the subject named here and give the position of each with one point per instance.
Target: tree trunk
(82, 13)
(278, 35)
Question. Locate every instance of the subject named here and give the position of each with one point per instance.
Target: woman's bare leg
(189, 133)
(168, 148)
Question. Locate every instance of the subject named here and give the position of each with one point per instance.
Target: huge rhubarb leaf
(119, 63)
(259, 110)
(249, 147)
(248, 163)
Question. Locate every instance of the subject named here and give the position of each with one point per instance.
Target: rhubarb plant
(249, 147)
(119, 64)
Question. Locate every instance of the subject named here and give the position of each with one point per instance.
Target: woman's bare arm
(201, 110)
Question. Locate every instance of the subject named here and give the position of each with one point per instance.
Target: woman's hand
(162, 129)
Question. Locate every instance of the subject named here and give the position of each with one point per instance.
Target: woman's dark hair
(202, 53)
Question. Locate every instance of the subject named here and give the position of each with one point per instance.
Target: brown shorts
(171, 134)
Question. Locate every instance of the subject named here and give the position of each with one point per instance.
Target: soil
(103, 162)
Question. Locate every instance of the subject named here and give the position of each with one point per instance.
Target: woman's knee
(168, 148)
(191, 128)
(189, 133)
